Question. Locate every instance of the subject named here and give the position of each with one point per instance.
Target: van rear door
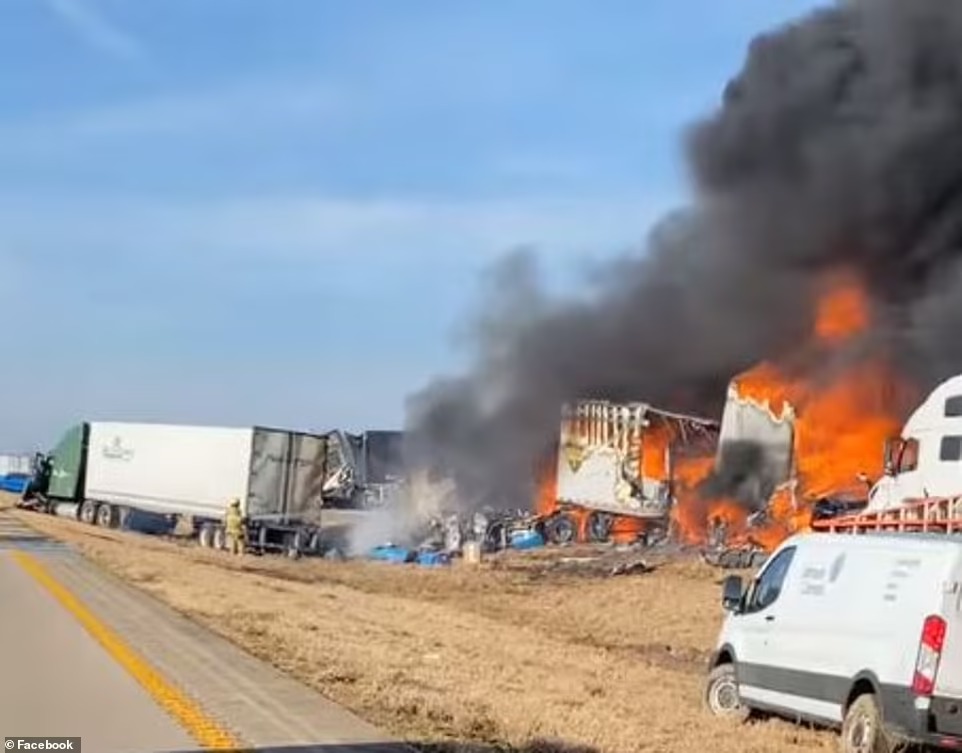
(937, 671)
(949, 676)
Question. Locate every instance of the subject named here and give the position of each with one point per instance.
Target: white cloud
(316, 229)
(95, 30)
(106, 267)
(252, 103)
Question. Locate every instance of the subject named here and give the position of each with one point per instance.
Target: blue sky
(252, 211)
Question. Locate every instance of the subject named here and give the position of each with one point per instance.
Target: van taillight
(930, 652)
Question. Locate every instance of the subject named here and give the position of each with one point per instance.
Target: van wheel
(721, 694)
(863, 730)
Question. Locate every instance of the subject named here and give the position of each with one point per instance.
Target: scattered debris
(391, 553)
(602, 563)
(748, 557)
(402, 555)
(433, 559)
(631, 568)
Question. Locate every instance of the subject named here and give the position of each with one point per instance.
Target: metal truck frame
(365, 471)
(616, 461)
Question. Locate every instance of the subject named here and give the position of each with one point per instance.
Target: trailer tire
(599, 526)
(205, 536)
(494, 538)
(107, 516)
(220, 538)
(562, 529)
(87, 512)
(294, 545)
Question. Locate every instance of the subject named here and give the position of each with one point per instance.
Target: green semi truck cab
(59, 475)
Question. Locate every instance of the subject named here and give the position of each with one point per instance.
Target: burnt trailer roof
(635, 410)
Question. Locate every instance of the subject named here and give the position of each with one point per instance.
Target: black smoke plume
(838, 144)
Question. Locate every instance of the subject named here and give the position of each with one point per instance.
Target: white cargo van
(858, 632)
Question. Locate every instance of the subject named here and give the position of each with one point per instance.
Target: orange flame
(843, 312)
(654, 465)
(546, 500)
(840, 425)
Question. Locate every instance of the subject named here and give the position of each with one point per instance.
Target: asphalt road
(84, 655)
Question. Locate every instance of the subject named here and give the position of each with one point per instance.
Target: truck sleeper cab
(861, 633)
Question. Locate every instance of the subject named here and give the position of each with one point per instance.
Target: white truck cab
(926, 461)
(858, 632)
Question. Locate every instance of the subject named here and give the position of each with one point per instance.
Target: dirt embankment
(508, 653)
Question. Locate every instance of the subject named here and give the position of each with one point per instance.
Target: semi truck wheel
(88, 512)
(294, 545)
(599, 526)
(562, 529)
(220, 538)
(205, 537)
(107, 516)
(863, 730)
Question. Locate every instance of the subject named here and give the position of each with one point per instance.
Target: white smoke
(406, 519)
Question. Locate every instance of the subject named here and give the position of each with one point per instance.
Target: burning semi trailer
(615, 472)
(800, 441)
(613, 476)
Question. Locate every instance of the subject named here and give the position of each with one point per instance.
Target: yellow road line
(208, 733)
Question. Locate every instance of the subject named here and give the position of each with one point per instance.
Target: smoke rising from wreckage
(835, 150)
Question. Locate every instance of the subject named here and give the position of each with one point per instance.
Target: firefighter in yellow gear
(234, 528)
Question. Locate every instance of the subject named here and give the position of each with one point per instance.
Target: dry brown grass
(502, 655)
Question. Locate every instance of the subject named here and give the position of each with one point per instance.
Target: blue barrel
(526, 540)
(433, 559)
(391, 554)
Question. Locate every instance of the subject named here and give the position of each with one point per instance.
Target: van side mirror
(732, 593)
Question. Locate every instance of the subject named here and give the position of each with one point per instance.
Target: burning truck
(800, 440)
(758, 492)
(919, 491)
(613, 475)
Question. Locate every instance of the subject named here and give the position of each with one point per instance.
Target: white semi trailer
(104, 473)
(14, 463)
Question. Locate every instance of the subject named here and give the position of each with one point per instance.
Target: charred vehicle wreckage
(614, 476)
(624, 474)
(762, 446)
(632, 475)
